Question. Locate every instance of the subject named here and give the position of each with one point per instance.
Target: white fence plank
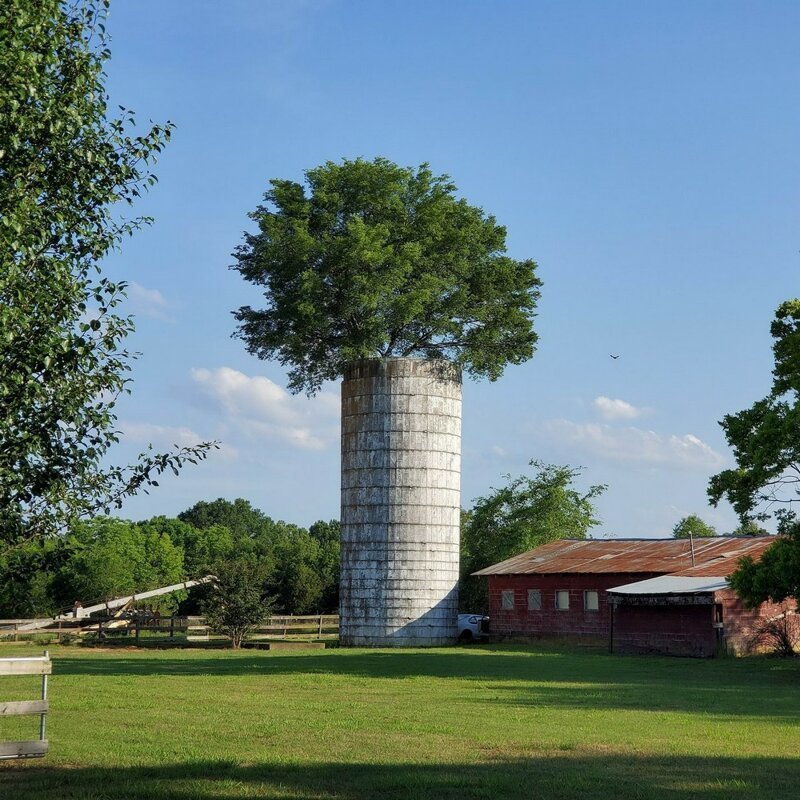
(38, 665)
(31, 749)
(17, 708)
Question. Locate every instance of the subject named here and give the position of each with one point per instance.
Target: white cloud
(163, 436)
(611, 409)
(636, 445)
(160, 434)
(148, 302)
(260, 408)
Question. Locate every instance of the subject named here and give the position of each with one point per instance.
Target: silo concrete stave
(401, 479)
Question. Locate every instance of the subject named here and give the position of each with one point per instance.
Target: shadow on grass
(554, 778)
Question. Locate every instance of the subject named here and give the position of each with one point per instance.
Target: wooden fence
(36, 665)
(16, 629)
(171, 630)
(318, 626)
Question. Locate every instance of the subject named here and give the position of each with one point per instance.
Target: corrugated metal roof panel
(712, 557)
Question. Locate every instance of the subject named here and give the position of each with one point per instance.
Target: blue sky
(645, 155)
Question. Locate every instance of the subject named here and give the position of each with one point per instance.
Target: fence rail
(171, 629)
(35, 665)
(16, 629)
(319, 626)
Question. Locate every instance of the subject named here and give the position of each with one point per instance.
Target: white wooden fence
(36, 665)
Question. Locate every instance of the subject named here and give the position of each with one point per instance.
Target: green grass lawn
(471, 722)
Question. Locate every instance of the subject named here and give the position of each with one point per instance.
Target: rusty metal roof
(712, 557)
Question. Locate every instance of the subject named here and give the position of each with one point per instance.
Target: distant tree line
(108, 557)
(697, 528)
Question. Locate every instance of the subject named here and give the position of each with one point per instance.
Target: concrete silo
(401, 482)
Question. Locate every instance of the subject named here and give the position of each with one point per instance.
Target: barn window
(591, 601)
(534, 600)
(562, 600)
(507, 600)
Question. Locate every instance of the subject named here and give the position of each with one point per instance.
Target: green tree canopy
(242, 519)
(328, 536)
(693, 526)
(65, 167)
(766, 437)
(113, 557)
(766, 445)
(749, 528)
(526, 513)
(301, 566)
(202, 548)
(109, 557)
(775, 576)
(370, 259)
(27, 578)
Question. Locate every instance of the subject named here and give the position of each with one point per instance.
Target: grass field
(470, 722)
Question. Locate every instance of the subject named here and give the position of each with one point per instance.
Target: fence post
(43, 716)
(172, 627)
(137, 630)
(320, 626)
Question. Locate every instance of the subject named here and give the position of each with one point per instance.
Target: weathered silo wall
(401, 482)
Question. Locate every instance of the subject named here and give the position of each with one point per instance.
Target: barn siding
(740, 624)
(575, 621)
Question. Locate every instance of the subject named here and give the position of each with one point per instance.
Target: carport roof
(672, 584)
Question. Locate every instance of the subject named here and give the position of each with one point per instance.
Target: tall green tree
(369, 259)
(766, 437)
(527, 512)
(693, 527)
(66, 167)
(766, 445)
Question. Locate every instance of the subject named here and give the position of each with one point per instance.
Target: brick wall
(691, 630)
(686, 630)
(576, 621)
(740, 624)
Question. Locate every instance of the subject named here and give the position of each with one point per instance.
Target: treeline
(108, 557)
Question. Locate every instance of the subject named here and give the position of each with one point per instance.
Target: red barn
(640, 595)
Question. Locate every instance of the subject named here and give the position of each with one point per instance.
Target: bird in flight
(613, 356)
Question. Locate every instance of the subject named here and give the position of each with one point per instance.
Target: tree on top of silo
(368, 259)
